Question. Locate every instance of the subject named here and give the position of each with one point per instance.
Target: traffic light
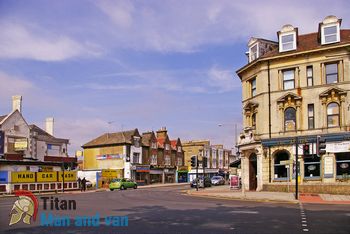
(306, 150)
(194, 161)
(205, 162)
(320, 145)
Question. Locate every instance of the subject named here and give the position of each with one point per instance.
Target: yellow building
(297, 86)
(121, 151)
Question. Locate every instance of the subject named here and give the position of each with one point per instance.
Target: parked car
(88, 184)
(122, 184)
(201, 184)
(217, 180)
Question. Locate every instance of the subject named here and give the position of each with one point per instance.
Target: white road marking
(244, 212)
(303, 218)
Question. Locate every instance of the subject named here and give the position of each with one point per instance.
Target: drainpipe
(269, 92)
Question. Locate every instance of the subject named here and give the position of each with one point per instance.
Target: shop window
(333, 115)
(290, 119)
(279, 166)
(343, 165)
(312, 167)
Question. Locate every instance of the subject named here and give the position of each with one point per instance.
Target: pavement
(166, 209)
(92, 190)
(224, 192)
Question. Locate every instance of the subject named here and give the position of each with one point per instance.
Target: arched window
(290, 122)
(333, 115)
(280, 165)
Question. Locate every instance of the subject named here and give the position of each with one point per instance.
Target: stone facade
(300, 89)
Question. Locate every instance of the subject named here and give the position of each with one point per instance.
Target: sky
(106, 66)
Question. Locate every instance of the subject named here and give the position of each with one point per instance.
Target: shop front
(169, 175)
(142, 174)
(182, 174)
(156, 175)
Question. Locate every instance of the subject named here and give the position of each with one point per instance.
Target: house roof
(310, 41)
(160, 142)
(124, 137)
(305, 43)
(2, 117)
(173, 144)
(44, 136)
(146, 138)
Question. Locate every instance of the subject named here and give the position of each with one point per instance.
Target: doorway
(253, 181)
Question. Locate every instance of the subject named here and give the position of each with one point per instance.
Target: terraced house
(297, 86)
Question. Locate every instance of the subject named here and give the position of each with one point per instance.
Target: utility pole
(62, 177)
(296, 167)
(197, 172)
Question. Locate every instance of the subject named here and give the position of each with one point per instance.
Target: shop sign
(338, 147)
(234, 181)
(23, 177)
(46, 176)
(68, 176)
(328, 167)
(109, 156)
(182, 169)
(21, 144)
(142, 168)
(4, 177)
(46, 168)
(109, 173)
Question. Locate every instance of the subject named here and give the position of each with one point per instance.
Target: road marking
(244, 212)
(303, 218)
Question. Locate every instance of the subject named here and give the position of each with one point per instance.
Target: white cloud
(27, 42)
(13, 85)
(221, 79)
(183, 26)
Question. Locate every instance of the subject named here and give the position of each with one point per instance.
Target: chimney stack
(17, 103)
(162, 133)
(49, 125)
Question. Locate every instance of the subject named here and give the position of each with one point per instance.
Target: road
(168, 210)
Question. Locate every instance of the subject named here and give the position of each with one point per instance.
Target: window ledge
(280, 180)
(314, 178)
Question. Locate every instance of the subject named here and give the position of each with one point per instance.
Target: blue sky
(99, 66)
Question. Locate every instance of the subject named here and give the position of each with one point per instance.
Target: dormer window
(287, 38)
(253, 52)
(330, 30)
(288, 42)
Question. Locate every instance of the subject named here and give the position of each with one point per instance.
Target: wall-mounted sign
(68, 176)
(109, 173)
(21, 144)
(328, 166)
(46, 176)
(142, 168)
(4, 177)
(109, 156)
(23, 177)
(338, 147)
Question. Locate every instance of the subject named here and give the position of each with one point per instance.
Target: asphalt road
(168, 210)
